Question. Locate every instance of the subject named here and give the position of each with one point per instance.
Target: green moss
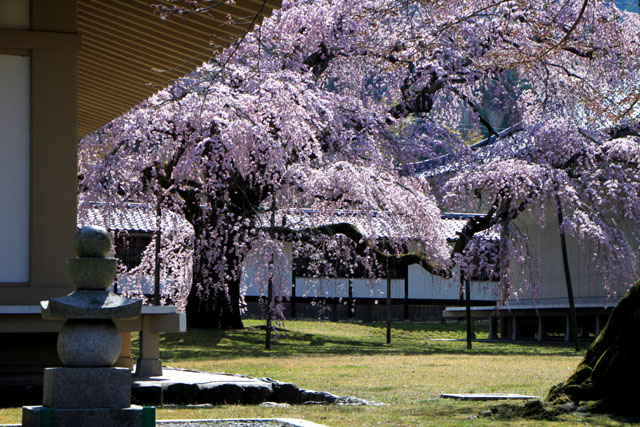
(607, 379)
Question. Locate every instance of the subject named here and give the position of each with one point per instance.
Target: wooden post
(294, 313)
(467, 298)
(388, 304)
(156, 274)
(350, 300)
(540, 328)
(406, 293)
(567, 279)
(267, 344)
(493, 328)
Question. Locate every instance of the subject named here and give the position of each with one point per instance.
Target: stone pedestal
(148, 368)
(149, 363)
(89, 417)
(88, 391)
(66, 388)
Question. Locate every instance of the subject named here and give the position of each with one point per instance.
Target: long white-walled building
(543, 311)
(420, 288)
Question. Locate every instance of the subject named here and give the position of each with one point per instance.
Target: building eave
(128, 53)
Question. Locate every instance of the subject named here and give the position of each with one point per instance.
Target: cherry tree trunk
(608, 378)
(215, 306)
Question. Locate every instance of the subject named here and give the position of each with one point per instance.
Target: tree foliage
(319, 104)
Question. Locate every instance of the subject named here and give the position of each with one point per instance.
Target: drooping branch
(474, 107)
(363, 246)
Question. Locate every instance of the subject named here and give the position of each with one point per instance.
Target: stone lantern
(88, 390)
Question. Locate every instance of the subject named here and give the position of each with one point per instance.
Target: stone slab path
(188, 387)
(488, 396)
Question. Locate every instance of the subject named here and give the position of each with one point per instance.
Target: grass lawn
(352, 359)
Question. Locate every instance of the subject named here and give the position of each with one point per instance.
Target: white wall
(362, 288)
(144, 284)
(254, 261)
(587, 284)
(422, 285)
(14, 168)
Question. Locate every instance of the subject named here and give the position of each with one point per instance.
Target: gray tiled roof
(136, 217)
(370, 223)
(132, 217)
(454, 222)
(455, 161)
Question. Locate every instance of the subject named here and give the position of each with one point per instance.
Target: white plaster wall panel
(321, 287)
(485, 291)
(587, 283)
(135, 283)
(252, 265)
(14, 168)
(363, 288)
(423, 285)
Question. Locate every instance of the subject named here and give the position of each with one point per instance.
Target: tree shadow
(406, 339)
(539, 410)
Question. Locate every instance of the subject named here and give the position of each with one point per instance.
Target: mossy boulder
(608, 378)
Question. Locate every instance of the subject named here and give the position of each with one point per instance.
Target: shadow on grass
(538, 410)
(357, 339)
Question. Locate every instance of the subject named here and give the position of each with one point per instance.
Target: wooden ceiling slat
(139, 66)
(118, 100)
(195, 25)
(94, 113)
(123, 41)
(94, 118)
(124, 27)
(127, 91)
(136, 46)
(138, 76)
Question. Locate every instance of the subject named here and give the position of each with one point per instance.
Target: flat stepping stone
(188, 387)
(185, 376)
(183, 386)
(488, 396)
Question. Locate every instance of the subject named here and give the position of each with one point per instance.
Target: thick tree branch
(564, 40)
(500, 211)
(319, 60)
(363, 246)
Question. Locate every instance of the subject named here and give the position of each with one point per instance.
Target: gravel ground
(232, 423)
(254, 423)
